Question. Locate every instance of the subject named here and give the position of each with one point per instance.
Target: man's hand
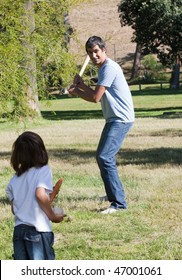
(77, 80)
(72, 91)
(77, 84)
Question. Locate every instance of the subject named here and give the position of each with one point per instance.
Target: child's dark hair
(28, 151)
(93, 41)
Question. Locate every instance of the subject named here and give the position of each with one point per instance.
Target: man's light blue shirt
(117, 103)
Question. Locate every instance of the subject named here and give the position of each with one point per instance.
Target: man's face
(97, 55)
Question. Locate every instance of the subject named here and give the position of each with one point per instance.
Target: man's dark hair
(28, 151)
(93, 41)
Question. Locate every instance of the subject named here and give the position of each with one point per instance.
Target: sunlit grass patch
(149, 164)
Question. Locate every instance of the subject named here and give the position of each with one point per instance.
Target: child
(29, 191)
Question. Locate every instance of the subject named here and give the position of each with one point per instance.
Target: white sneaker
(103, 198)
(109, 210)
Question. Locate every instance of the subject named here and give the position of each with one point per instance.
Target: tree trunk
(175, 75)
(30, 58)
(137, 63)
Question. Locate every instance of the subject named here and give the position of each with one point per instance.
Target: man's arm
(88, 93)
(79, 88)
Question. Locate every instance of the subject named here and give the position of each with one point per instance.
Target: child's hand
(44, 203)
(58, 218)
(59, 214)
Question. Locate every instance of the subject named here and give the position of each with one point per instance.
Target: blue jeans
(29, 244)
(112, 137)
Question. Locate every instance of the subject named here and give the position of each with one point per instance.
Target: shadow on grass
(168, 109)
(167, 112)
(152, 157)
(155, 156)
(163, 113)
(72, 115)
(5, 154)
(4, 200)
(148, 91)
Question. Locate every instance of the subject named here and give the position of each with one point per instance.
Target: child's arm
(44, 203)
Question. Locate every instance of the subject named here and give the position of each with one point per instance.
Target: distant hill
(101, 17)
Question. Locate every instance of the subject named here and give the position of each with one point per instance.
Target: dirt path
(101, 17)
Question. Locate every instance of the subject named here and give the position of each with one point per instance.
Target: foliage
(157, 26)
(11, 72)
(152, 69)
(49, 39)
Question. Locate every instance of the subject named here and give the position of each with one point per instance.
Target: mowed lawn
(150, 167)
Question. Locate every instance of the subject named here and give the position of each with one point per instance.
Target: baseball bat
(53, 195)
(56, 189)
(87, 59)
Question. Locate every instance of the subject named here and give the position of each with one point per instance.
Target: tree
(136, 63)
(156, 25)
(32, 41)
(28, 22)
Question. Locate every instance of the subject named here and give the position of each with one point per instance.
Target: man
(113, 92)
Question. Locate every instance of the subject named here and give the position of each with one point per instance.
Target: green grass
(149, 165)
(148, 103)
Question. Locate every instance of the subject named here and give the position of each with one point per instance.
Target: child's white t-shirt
(21, 189)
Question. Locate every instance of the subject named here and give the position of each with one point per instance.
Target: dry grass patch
(150, 167)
